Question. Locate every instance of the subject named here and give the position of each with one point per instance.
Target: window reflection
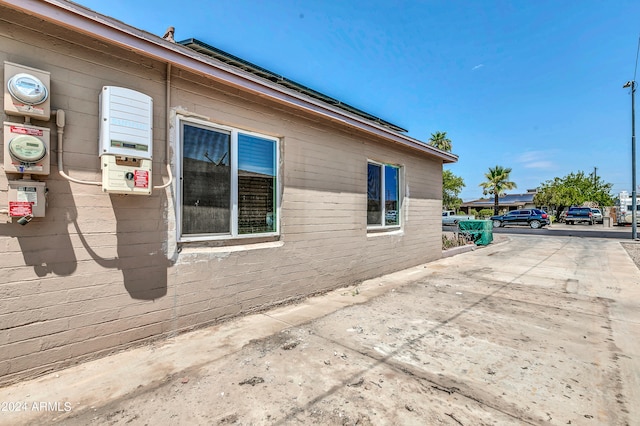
(256, 184)
(374, 195)
(206, 183)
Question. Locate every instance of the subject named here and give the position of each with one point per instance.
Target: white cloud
(477, 66)
(539, 165)
(535, 160)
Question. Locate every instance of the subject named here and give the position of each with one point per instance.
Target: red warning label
(20, 208)
(141, 179)
(26, 131)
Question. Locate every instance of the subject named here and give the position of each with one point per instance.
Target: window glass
(383, 195)
(256, 184)
(228, 183)
(374, 195)
(391, 187)
(206, 179)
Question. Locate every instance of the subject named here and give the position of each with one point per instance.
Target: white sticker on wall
(27, 193)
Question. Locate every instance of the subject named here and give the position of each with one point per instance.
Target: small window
(383, 195)
(228, 185)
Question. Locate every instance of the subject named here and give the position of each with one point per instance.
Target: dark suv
(534, 218)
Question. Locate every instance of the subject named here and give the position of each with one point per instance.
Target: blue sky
(533, 85)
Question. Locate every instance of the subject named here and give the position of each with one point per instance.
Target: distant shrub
(485, 213)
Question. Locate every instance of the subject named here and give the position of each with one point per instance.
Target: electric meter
(27, 149)
(28, 89)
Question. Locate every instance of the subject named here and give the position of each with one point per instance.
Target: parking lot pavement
(535, 330)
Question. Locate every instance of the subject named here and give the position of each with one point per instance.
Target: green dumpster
(478, 231)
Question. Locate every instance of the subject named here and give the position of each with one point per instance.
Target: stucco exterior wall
(102, 272)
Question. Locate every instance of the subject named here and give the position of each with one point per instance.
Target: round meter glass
(27, 149)
(27, 89)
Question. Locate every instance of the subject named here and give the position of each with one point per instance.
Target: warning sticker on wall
(26, 131)
(20, 208)
(141, 179)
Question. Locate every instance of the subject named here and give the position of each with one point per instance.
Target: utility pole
(634, 213)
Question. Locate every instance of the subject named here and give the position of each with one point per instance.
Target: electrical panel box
(27, 197)
(26, 149)
(126, 175)
(126, 141)
(26, 91)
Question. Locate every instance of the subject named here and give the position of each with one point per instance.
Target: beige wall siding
(101, 272)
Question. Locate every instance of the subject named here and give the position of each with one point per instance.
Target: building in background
(507, 202)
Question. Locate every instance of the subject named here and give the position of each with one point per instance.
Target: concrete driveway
(535, 330)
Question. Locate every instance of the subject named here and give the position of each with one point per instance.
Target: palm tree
(439, 140)
(497, 182)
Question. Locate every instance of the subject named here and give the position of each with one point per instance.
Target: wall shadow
(46, 245)
(141, 245)
(141, 231)
(45, 242)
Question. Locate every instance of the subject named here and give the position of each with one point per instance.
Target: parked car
(449, 217)
(597, 216)
(535, 218)
(579, 214)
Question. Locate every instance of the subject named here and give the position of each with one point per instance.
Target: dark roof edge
(227, 58)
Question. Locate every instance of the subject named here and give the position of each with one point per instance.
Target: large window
(228, 182)
(383, 195)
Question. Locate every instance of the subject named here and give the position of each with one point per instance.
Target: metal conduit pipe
(168, 126)
(60, 120)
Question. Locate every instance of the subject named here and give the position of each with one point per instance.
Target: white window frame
(383, 225)
(233, 152)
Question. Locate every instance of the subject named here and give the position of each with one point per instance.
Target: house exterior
(239, 192)
(507, 202)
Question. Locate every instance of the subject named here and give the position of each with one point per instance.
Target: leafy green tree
(497, 182)
(451, 187)
(439, 140)
(574, 189)
(451, 184)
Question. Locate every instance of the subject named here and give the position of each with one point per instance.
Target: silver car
(597, 216)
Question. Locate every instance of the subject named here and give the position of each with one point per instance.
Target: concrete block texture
(103, 272)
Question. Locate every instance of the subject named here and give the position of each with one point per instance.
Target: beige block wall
(103, 272)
